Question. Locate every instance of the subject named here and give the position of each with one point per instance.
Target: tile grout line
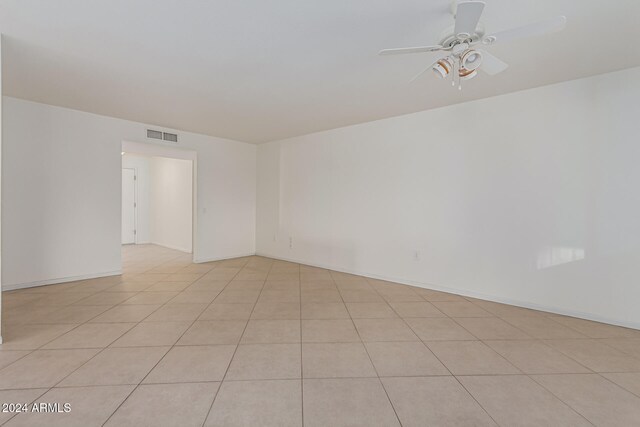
(532, 338)
(455, 319)
(543, 342)
(558, 397)
(31, 402)
(238, 344)
(436, 356)
(522, 373)
(618, 385)
(367, 350)
(170, 347)
(59, 336)
(156, 364)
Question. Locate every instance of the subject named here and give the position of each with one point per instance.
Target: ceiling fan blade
(467, 17)
(417, 76)
(537, 29)
(492, 65)
(403, 50)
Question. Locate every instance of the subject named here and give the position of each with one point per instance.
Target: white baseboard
(210, 259)
(59, 280)
(471, 294)
(175, 248)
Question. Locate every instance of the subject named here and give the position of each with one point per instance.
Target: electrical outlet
(290, 242)
(416, 255)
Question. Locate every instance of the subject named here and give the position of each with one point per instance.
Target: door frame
(135, 206)
(161, 149)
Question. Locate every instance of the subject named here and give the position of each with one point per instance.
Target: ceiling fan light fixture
(489, 40)
(442, 68)
(460, 59)
(466, 74)
(471, 59)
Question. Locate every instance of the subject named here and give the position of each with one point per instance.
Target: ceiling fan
(459, 56)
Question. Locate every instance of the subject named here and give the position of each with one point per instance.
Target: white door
(128, 206)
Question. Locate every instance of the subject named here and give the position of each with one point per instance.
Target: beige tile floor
(254, 341)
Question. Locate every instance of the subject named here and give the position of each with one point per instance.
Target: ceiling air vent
(171, 137)
(155, 134)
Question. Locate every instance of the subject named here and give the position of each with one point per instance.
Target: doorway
(128, 206)
(158, 196)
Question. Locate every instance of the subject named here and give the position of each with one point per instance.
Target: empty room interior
(335, 213)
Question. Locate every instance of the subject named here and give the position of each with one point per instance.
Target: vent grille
(163, 136)
(155, 134)
(171, 137)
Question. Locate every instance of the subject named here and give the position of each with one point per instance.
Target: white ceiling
(256, 70)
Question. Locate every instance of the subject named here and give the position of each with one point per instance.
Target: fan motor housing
(449, 38)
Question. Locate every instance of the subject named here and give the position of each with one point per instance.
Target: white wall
(164, 200)
(142, 166)
(529, 198)
(1, 102)
(171, 202)
(61, 175)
